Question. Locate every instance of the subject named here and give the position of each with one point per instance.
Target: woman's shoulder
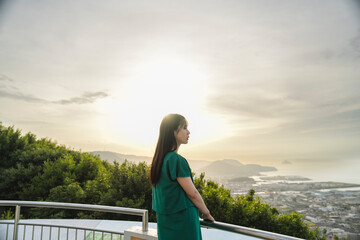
(177, 165)
(173, 154)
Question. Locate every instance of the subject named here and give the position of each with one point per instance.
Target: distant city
(331, 205)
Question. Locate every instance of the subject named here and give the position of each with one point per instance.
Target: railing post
(145, 220)
(16, 221)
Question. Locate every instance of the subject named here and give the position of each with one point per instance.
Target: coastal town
(332, 206)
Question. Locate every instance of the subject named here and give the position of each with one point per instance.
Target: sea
(345, 171)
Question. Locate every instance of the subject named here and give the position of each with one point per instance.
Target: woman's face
(182, 135)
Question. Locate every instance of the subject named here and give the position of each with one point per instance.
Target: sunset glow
(160, 85)
(258, 82)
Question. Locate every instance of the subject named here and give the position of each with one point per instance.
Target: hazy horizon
(347, 172)
(260, 82)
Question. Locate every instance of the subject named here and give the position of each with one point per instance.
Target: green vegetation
(41, 170)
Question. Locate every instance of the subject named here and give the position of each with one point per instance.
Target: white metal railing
(74, 206)
(246, 231)
(58, 231)
(120, 210)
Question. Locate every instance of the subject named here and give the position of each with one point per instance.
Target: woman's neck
(177, 148)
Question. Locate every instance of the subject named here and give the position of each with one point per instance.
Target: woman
(175, 198)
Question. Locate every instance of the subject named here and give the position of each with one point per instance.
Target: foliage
(7, 215)
(41, 170)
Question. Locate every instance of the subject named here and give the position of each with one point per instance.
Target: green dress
(177, 216)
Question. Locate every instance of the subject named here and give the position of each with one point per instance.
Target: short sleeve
(178, 167)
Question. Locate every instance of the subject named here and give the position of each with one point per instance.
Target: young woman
(175, 198)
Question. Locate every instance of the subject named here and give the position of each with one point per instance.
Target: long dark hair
(166, 143)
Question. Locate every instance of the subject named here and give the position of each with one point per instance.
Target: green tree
(22, 158)
(129, 186)
(53, 174)
(218, 199)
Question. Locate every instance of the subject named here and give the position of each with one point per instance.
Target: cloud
(21, 97)
(251, 105)
(344, 123)
(6, 82)
(87, 97)
(355, 45)
(5, 78)
(9, 90)
(299, 105)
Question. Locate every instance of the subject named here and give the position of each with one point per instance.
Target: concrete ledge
(136, 233)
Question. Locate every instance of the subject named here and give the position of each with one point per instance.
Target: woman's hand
(208, 217)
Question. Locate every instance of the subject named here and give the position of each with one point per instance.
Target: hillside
(233, 168)
(120, 158)
(220, 168)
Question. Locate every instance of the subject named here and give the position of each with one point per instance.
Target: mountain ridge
(224, 168)
(219, 168)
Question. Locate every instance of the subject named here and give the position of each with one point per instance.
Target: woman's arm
(194, 196)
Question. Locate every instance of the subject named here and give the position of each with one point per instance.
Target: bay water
(344, 171)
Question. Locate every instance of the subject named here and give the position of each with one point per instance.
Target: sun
(157, 86)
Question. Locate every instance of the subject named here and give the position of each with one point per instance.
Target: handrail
(246, 231)
(139, 212)
(121, 210)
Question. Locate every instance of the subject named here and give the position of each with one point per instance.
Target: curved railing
(75, 206)
(59, 231)
(246, 231)
(129, 211)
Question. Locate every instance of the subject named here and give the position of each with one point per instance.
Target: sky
(259, 81)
